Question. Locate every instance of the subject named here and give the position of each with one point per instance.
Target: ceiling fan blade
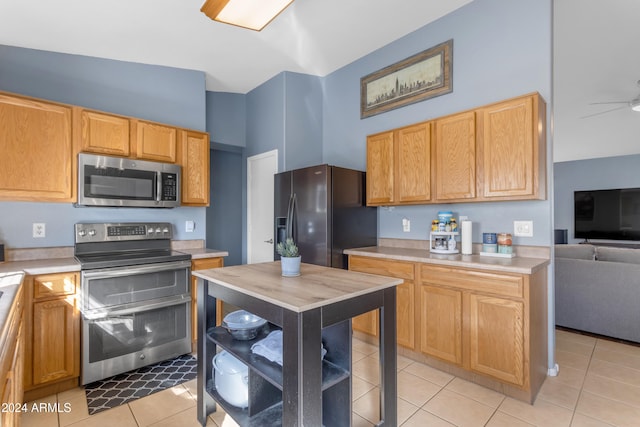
(612, 102)
(604, 112)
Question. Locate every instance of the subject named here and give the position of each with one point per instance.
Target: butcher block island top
(315, 287)
(313, 311)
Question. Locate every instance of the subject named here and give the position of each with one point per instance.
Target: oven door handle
(135, 269)
(97, 314)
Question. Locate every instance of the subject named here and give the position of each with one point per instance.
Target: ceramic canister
(489, 238)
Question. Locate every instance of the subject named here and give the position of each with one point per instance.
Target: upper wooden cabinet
(514, 149)
(399, 166)
(37, 161)
(380, 168)
(455, 157)
(153, 141)
(193, 156)
(104, 133)
(495, 152)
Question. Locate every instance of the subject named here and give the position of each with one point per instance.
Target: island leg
(302, 368)
(388, 360)
(206, 315)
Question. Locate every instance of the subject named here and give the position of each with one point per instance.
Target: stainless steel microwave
(118, 181)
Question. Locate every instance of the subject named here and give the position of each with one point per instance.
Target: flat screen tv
(607, 214)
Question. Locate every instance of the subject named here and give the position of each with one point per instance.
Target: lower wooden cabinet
(470, 321)
(11, 364)
(497, 337)
(441, 321)
(405, 298)
(202, 264)
(52, 346)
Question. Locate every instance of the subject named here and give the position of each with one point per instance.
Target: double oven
(135, 297)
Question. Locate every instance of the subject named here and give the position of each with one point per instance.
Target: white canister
(231, 378)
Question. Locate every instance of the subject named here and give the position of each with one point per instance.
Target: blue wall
(593, 174)
(227, 118)
(501, 49)
(162, 94)
(285, 113)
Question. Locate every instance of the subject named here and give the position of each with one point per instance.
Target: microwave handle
(158, 186)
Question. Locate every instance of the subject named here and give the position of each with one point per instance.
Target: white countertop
(520, 265)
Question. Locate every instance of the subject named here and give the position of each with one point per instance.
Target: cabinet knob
(270, 241)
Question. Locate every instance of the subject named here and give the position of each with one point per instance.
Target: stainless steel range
(135, 297)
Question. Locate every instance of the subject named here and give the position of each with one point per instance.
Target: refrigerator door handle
(291, 216)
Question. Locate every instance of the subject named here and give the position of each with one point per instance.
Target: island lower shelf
(332, 373)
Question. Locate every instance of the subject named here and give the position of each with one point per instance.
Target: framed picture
(419, 77)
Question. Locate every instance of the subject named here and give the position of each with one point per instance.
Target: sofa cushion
(631, 256)
(575, 251)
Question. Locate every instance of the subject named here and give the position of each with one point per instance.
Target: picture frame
(422, 76)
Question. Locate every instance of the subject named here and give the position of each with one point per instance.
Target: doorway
(260, 171)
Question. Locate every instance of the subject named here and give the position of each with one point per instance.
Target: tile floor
(598, 386)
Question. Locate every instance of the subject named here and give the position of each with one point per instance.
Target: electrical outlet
(523, 228)
(38, 230)
(406, 225)
(189, 226)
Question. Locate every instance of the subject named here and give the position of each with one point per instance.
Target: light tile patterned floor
(598, 386)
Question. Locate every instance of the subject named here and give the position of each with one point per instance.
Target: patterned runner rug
(132, 385)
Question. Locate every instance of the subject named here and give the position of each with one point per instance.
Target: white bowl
(243, 325)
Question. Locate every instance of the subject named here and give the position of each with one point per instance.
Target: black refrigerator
(324, 209)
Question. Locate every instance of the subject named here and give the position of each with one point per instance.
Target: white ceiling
(596, 59)
(595, 49)
(311, 36)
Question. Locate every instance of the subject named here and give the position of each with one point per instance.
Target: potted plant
(290, 258)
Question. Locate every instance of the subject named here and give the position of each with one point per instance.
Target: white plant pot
(290, 266)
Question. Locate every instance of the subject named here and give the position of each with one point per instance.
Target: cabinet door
(154, 141)
(104, 133)
(510, 151)
(37, 152)
(412, 166)
(455, 157)
(380, 169)
(56, 337)
(193, 156)
(405, 297)
(441, 323)
(496, 337)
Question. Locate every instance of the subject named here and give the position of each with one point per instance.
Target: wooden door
(412, 166)
(455, 157)
(104, 133)
(510, 157)
(193, 156)
(56, 336)
(154, 141)
(380, 167)
(496, 337)
(37, 160)
(441, 323)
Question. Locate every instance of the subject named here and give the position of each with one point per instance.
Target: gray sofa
(598, 290)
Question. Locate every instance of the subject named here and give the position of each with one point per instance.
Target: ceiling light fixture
(252, 14)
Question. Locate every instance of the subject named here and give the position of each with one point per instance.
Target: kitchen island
(313, 310)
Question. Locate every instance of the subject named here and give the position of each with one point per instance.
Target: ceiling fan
(634, 104)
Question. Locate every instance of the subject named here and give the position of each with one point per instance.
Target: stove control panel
(105, 232)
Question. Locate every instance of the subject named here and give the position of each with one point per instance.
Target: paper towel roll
(467, 244)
